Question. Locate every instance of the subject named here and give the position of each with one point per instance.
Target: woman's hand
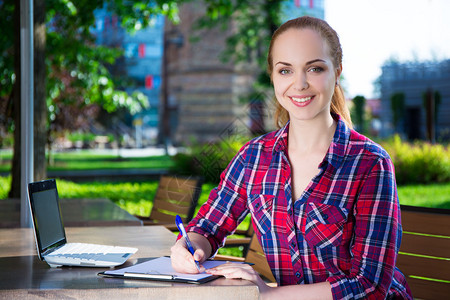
(240, 271)
(183, 261)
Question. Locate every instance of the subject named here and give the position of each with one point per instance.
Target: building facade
(194, 96)
(418, 83)
(140, 67)
(205, 93)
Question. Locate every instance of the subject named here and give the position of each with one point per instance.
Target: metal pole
(26, 106)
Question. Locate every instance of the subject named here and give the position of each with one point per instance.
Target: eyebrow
(308, 63)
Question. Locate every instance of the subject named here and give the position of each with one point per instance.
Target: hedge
(415, 163)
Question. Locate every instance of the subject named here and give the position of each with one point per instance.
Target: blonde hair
(338, 103)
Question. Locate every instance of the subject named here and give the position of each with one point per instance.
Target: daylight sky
(373, 31)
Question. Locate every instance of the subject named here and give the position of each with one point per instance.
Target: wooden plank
(424, 267)
(175, 207)
(183, 199)
(423, 222)
(238, 242)
(428, 290)
(260, 264)
(177, 183)
(426, 245)
(255, 245)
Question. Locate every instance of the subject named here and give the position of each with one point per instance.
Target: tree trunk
(15, 167)
(40, 105)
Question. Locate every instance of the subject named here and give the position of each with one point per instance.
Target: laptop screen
(47, 221)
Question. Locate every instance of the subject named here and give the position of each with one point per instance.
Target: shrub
(415, 163)
(419, 162)
(208, 160)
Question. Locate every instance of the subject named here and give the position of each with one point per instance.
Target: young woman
(322, 197)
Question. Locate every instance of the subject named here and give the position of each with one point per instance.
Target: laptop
(50, 235)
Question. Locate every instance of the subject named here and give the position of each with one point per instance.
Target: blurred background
(125, 91)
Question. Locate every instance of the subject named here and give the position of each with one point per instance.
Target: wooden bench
(256, 256)
(176, 195)
(424, 255)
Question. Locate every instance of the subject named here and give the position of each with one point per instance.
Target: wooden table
(23, 276)
(75, 212)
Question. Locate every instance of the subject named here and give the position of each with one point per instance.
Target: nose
(301, 82)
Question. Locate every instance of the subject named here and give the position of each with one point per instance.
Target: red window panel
(141, 50)
(149, 82)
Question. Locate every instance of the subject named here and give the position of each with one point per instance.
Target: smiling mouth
(301, 100)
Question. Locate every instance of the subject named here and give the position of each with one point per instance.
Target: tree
(431, 103)
(358, 113)
(398, 110)
(77, 68)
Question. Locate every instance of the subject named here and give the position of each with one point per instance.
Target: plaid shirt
(345, 228)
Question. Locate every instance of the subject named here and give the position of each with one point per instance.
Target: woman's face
(303, 74)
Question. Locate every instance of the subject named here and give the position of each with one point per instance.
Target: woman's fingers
(233, 270)
(183, 261)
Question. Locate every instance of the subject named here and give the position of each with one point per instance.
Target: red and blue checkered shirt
(345, 228)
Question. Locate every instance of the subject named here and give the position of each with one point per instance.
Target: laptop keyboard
(89, 252)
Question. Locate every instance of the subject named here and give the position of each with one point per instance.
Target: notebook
(160, 269)
(50, 235)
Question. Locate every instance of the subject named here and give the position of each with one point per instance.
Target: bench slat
(425, 245)
(428, 290)
(424, 222)
(424, 267)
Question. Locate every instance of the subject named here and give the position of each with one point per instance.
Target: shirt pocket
(324, 224)
(261, 209)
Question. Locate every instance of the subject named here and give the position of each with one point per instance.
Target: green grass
(433, 195)
(89, 160)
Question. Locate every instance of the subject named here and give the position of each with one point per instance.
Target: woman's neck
(311, 135)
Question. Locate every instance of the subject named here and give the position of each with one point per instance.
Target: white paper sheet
(163, 266)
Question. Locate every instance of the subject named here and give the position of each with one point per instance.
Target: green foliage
(5, 184)
(420, 162)
(78, 69)
(358, 113)
(208, 160)
(398, 108)
(81, 136)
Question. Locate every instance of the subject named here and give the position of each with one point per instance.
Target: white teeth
(301, 100)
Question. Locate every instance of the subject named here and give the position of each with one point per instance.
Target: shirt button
(325, 217)
(293, 244)
(297, 274)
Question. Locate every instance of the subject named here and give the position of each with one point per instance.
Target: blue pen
(180, 226)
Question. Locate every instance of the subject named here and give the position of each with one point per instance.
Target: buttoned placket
(290, 225)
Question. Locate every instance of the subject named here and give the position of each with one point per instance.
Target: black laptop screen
(47, 217)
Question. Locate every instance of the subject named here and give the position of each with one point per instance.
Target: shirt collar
(337, 150)
(281, 139)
